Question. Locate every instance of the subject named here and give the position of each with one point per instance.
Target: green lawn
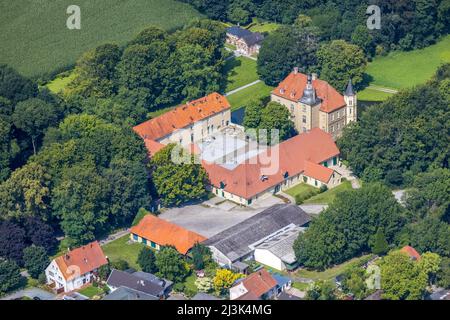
(301, 286)
(299, 189)
(264, 27)
(369, 94)
(329, 274)
(405, 69)
(59, 83)
(241, 98)
(35, 39)
(91, 291)
(328, 196)
(240, 71)
(120, 249)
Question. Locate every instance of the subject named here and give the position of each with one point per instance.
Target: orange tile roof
(245, 180)
(152, 146)
(182, 116)
(166, 233)
(293, 86)
(318, 171)
(411, 252)
(257, 284)
(84, 259)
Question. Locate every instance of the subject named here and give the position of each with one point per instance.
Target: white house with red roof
(314, 103)
(75, 268)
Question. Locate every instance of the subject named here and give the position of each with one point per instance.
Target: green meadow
(36, 41)
(405, 69)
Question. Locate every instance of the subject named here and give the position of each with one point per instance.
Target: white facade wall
(269, 259)
(54, 275)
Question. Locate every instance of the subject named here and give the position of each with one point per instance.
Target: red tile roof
(245, 180)
(293, 86)
(318, 171)
(152, 146)
(81, 260)
(166, 233)
(411, 252)
(257, 284)
(182, 116)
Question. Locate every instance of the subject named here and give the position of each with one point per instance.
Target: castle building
(314, 103)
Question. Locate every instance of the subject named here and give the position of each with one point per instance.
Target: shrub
(300, 198)
(323, 188)
(178, 287)
(120, 265)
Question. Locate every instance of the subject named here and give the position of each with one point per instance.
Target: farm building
(233, 246)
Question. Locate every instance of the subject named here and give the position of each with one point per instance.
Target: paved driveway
(31, 293)
(206, 221)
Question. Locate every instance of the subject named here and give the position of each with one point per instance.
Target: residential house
(411, 252)
(75, 268)
(125, 293)
(142, 282)
(156, 233)
(260, 285)
(314, 103)
(186, 124)
(247, 43)
(231, 247)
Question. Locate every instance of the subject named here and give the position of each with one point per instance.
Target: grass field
(91, 291)
(59, 83)
(240, 99)
(120, 249)
(331, 273)
(328, 196)
(264, 27)
(299, 189)
(35, 39)
(406, 69)
(240, 71)
(369, 94)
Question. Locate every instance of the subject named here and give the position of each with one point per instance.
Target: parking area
(215, 215)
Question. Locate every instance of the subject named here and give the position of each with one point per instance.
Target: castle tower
(351, 102)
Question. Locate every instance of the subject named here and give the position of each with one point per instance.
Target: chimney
(295, 70)
(314, 76)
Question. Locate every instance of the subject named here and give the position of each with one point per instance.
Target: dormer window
(282, 91)
(264, 178)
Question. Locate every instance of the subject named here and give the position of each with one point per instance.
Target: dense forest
(401, 142)
(405, 24)
(71, 163)
(406, 135)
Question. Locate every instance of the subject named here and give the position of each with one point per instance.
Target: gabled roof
(235, 241)
(166, 233)
(293, 86)
(81, 260)
(257, 284)
(249, 37)
(244, 180)
(182, 116)
(411, 252)
(119, 278)
(318, 171)
(125, 293)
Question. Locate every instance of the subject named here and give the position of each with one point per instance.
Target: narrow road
(387, 90)
(114, 236)
(242, 88)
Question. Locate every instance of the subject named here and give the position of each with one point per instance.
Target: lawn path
(242, 88)
(381, 89)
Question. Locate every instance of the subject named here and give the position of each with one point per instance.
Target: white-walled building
(75, 268)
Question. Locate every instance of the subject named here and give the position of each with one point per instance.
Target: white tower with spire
(351, 102)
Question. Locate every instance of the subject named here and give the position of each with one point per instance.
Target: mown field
(35, 40)
(240, 71)
(405, 69)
